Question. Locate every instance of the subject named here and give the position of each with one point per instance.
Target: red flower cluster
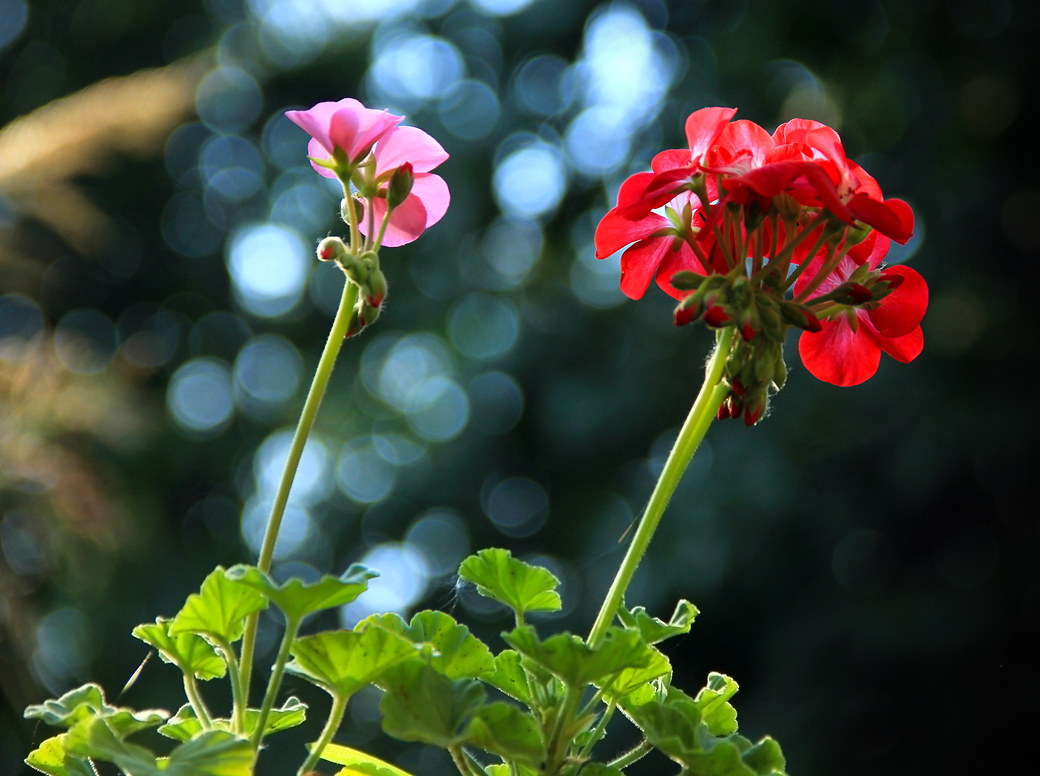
(767, 232)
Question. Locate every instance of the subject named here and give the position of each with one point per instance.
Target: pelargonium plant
(753, 234)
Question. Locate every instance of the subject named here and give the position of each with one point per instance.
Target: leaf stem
(238, 697)
(693, 431)
(191, 690)
(292, 626)
(631, 756)
(303, 429)
(597, 732)
(458, 756)
(339, 705)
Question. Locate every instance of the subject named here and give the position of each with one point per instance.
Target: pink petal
(433, 192)
(703, 128)
(408, 144)
(905, 348)
(639, 265)
(373, 125)
(838, 355)
(315, 122)
(615, 231)
(343, 129)
(407, 222)
(317, 151)
(902, 310)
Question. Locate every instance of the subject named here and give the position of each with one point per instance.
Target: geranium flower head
(345, 128)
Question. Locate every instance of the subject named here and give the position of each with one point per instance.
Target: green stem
(303, 429)
(238, 697)
(597, 732)
(197, 704)
(275, 682)
(693, 431)
(339, 705)
(382, 229)
(459, 758)
(557, 749)
(631, 756)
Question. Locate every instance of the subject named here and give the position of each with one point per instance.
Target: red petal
(640, 262)
(796, 131)
(839, 355)
(902, 310)
(703, 128)
(905, 348)
(615, 232)
(871, 251)
(674, 261)
(747, 135)
(673, 157)
(632, 189)
(893, 217)
(659, 189)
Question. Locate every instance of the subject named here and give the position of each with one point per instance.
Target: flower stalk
(707, 404)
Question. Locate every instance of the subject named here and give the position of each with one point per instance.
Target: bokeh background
(866, 559)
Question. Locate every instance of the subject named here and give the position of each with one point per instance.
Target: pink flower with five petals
(347, 125)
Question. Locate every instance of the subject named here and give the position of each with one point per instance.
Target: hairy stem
(339, 705)
(191, 689)
(597, 732)
(303, 429)
(275, 682)
(693, 431)
(632, 755)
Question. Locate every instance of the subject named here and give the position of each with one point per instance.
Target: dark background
(865, 559)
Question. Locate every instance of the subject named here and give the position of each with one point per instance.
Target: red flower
(847, 350)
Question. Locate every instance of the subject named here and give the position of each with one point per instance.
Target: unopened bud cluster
(364, 272)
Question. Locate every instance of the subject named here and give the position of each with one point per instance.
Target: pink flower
(347, 125)
(429, 197)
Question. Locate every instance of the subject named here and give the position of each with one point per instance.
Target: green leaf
(637, 680)
(671, 727)
(296, 598)
(50, 758)
(510, 677)
(423, 705)
(713, 702)
(458, 653)
(574, 662)
(342, 662)
(503, 769)
(654, 630)
(184, 725)
(505, 730)
(599, 769)
(89, 701)
(219, 610)
(191, 653)
(765, 758)
(92, 737)
(359, 763)
(721, 760)
(520, 586)
(214, 753)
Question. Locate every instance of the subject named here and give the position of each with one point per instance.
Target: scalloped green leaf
(671, 727)
(503, 729)
(342, 662)
(422, 704)
(89, 701)
(520, 586)
(51, 758)
(92, 737)
(359, 763)
(503, 769)
(600, 769)
(576, 664)
(457, 653)
(297, 598)
(654, 630)
(765, 758)
(214, 753)
(723, 759)
(191, 653)
(713, 702)
(219, 610)
(184, 725)
(510, 677)
(637, 680)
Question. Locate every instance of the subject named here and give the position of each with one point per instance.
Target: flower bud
(400, 185)
(687, 313)
(779, 368)
(375, 289)
(716, 317)
(684, 280)
(331, 249)
(747, 332)
(799, 316)
(851, 294)
(344, 209)
(856, 235)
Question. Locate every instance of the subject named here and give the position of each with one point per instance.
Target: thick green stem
(303, 429)
(197, 704)
(693, 431)
(275, 682)
(339, 705)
